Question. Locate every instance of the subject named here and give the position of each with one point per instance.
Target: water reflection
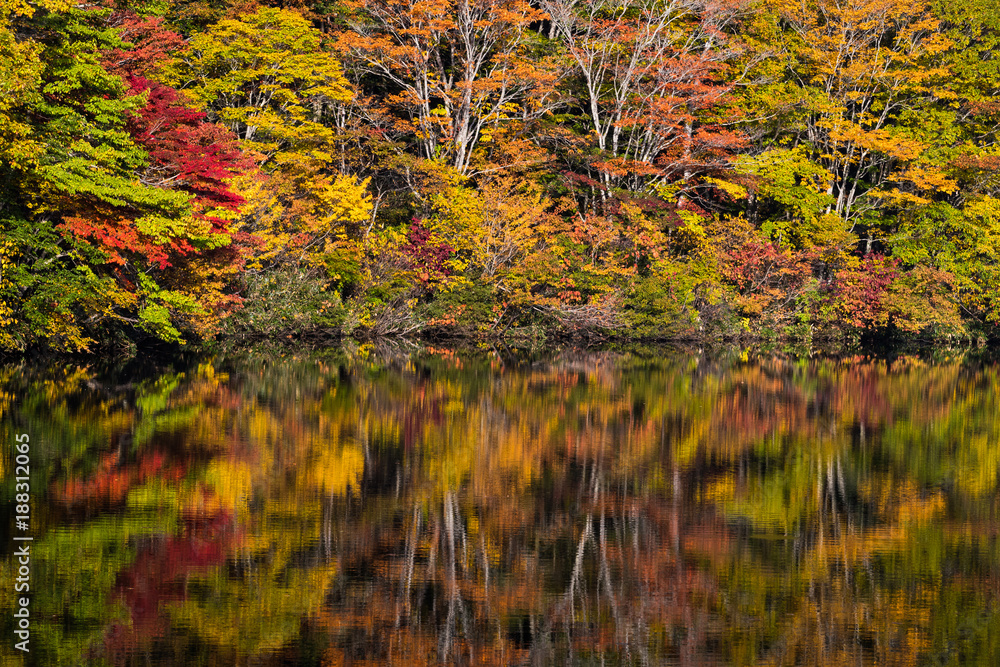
(471, 508)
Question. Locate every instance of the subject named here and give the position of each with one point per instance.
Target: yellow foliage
(859, 65)
(734, 190)
(231, 480)
(983, 208)
(879, 140)
(20, 78)
(493, 225)
(6, 312)
(305, 220)
(336, 468)
(25, 8)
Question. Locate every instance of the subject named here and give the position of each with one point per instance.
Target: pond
(390, 506)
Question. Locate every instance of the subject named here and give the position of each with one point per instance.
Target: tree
(270, 78)
(868, 73)
(463, 68)
(84, 229)
(112, 225)
(267, 77)
(652, 77)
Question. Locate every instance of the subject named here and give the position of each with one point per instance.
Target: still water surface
(577, 508)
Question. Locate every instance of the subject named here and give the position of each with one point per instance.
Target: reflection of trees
(810, 454)
(464, 582)
(413, 508)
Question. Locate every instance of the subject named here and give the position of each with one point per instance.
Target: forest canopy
(182, 170)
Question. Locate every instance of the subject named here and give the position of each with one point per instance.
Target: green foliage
(286, 302)
(268, 78)
(665, 303)
(795, 187)
(50, 292)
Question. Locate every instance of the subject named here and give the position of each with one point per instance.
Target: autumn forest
(178, 171)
